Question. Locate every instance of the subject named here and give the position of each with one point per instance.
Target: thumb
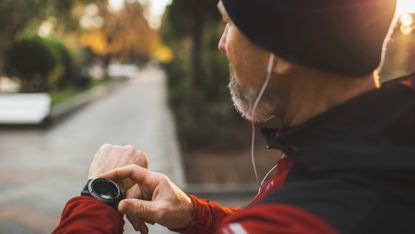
(137, 208)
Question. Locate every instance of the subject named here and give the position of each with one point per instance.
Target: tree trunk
(1, 67)
(196, 53)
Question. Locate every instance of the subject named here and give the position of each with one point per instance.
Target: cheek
(248, 66)
(236, 54)
(237, 66)
(247, 60)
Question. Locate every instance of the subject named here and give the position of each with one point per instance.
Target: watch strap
(85, 190)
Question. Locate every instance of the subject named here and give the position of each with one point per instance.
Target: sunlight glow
(115, 5)
(154, 13)
(156, 9)
(406, 11)
(91, 18)
(46, 28)
(406, 7)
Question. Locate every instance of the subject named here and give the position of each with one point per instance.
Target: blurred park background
(75, 74)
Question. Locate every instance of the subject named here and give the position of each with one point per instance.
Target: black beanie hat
(340, 36)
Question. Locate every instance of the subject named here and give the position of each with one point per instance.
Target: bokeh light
(406, 11)
(406, 7)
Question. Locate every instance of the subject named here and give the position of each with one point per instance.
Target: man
(349, 143)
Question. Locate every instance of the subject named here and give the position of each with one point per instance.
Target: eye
(228, 27)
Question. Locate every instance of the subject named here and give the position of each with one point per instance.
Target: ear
(282, 66)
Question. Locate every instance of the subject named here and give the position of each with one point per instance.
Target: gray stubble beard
(244, 100)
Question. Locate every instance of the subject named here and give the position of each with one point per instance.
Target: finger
(126, 184)
(143, 159)
(144, 229)
(129, 147)
(138, 209)
(135, 192)
(137, 223)
(134, 172)
(141, 227)
(149, 222)
(130, 150)
(139, 192)
(139, 175)
(105, 147)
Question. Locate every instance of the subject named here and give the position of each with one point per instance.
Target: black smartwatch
(104, 190)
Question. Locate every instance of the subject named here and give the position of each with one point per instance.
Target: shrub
(65, 63)
(178, 81)
(33, 62)
(69, 73)
(82, 80)
(43, 63)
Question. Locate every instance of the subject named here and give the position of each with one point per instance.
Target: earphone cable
(261, 93)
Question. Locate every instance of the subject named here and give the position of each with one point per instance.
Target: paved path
(41, 169)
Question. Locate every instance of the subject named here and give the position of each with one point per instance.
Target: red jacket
(349, 170)
(87, 215)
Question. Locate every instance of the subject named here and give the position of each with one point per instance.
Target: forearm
(86, 215)
(207, 216)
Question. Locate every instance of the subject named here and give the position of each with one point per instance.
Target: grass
(61, 96)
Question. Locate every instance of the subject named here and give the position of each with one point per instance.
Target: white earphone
(270, 66)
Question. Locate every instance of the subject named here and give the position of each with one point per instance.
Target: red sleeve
(207, 216)
(276, 219)
(86, 215)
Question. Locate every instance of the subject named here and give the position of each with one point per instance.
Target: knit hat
(341, 36)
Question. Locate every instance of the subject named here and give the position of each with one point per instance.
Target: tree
(189, 18)
(16, 15)
(33, 61)
(197, 89)
(124, 35)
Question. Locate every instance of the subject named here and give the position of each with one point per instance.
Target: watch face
(105, 189)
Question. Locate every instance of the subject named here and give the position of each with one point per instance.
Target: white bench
(24, 108)
(122, 70)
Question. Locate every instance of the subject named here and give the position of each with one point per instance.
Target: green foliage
(61, 96)
(31, 60)
(19, 16)
(43, 63)
(184, 16)
(65, 62)
(16, 15)
(216, 68)
(199, 98)
(69, 73)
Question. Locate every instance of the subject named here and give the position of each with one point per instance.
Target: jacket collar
(359, 133)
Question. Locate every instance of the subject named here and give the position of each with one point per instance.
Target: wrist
(188, 216)
(189, 211)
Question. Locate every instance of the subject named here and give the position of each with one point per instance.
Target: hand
(160, 201)
(109, 157)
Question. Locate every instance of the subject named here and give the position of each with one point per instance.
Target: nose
(222, 41)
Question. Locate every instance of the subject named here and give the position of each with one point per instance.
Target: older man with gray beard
(349, 143)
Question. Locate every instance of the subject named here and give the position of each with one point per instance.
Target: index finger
(136, 173)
